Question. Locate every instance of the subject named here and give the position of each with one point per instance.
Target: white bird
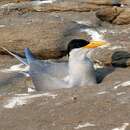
(79, 70)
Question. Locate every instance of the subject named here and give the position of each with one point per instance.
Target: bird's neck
(77, 55)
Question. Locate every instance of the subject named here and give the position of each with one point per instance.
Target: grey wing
(55, 69)
(48, 75)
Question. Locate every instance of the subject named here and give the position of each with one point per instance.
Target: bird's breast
(81, 72)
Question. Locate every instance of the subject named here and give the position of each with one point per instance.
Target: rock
(123, 18)
(118, 51)
(100, 2)
(109, 14)
(116, 2)
(68, 6)
(21, 0)
(115, 15)
(126, 2)
(59, 5)
(46, 36)
(119, 57)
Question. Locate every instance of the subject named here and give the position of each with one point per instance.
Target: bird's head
(81, 44)
(78, 49)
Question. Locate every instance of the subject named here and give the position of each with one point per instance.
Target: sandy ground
(105, 106)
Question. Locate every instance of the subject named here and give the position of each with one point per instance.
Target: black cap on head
(76, 43)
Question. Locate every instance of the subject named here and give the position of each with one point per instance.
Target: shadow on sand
(101, 73)
(8, 78)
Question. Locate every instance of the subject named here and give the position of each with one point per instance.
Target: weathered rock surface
(126, 2)
(109, 14)
(115, 15)
(123, 18)
(59, 5)
(118, 51)
(47, 36)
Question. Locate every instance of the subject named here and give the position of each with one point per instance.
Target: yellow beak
(95, 44)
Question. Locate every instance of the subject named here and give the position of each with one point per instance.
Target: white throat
(81, 70)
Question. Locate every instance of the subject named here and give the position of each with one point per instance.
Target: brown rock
(115, 15)
(76, 5)
(46, 36)
(109, 14)
(109, 2)
(21, 0)
(119, 57)
(126, 2)
(123, 18)
(100, 2)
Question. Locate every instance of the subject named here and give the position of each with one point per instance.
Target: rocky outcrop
(106, 11)
(115, 15)
(123, 18)
(48, 33)
(126, 2)
(49, 6)
(46, 36)
(109, 14)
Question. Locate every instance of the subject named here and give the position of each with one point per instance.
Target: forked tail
(28, 55)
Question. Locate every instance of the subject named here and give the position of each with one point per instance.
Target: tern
(78, 71)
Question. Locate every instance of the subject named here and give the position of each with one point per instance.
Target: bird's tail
(28, 55)
(16, 56)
